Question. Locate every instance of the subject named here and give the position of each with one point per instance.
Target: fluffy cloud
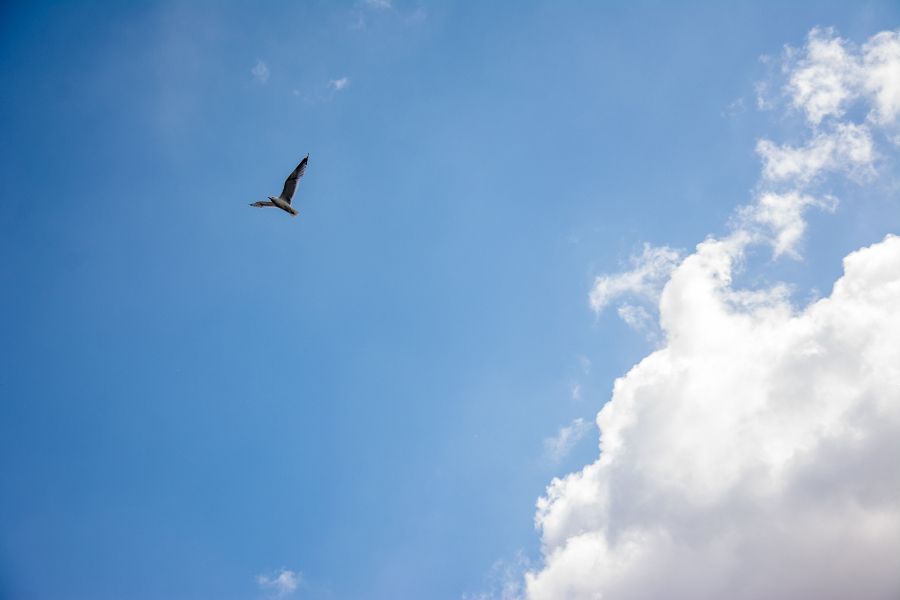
(782, 215)
(282, 584)
(881, 75)
(848, 148)
(832, 73)
(825, 78)
(755, 454)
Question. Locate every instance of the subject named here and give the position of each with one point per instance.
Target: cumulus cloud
(281, 584)
(782, 216)
(825, 78)
(847, 148)
(832, 73)
(755, 456)
(260, 72)
(755, 453)
(881, 75)
(558, 447)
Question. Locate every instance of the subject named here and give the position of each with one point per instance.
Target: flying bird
(287, 194)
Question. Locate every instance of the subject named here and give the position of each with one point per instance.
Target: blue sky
(196, 393)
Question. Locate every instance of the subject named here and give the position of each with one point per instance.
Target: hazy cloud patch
(645, 279)
(280, 584)
(339, 84)
(558, 447)
(260, 72)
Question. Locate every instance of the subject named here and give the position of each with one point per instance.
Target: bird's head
(272, 198)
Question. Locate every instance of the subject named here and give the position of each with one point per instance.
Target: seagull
(287, 194)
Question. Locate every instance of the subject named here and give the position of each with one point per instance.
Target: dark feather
(290, 185)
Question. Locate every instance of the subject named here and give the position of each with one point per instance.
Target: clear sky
(198, 398)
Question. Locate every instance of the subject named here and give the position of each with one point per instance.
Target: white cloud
(755, 454)
(636, 317)
(847, 148)
(339, 84)
(881, 75)
(260, 72)
(757, 446)
(782, 216)
(282, 584)
(559, 446)
(650, 270)
(825, 78)
(377, 4)
(831, 73)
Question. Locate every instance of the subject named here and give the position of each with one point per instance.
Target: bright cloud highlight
(756, 453)
(756, 448)
(832, 73)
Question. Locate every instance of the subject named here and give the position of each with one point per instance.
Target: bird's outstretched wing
(262, 204)
(290, 185)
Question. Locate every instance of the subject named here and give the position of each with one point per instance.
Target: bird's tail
(262, 204)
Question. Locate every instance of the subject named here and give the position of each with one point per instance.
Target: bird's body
(287, 194)
(284, 205)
